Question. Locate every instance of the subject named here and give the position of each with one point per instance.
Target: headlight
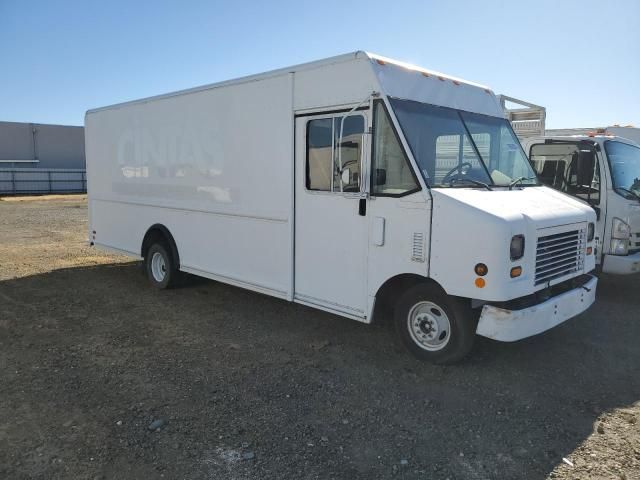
(621, 229)
(619, 246)
(591, 231)
(517, 247)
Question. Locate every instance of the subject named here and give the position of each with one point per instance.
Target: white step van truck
(603, 171)
(356, 185)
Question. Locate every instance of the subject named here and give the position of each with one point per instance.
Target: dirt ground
(102, 377)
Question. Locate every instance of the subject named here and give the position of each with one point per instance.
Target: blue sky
(580, 59)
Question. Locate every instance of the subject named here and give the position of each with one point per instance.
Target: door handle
(362, 207)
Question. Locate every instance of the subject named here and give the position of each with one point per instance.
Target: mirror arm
(367, 99)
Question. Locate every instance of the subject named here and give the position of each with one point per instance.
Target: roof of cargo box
(396, 79)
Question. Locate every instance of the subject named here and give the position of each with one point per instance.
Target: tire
(160, 267)
(434, 326)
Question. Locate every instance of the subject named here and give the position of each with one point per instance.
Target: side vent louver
(417, 250)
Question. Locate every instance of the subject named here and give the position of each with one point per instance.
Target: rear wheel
(160, 266)
(434, 326)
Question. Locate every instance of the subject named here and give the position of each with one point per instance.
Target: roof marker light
(455, 82)
(440, 78)
(381, 62)
(425, 74)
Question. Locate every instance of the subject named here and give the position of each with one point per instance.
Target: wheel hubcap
(429, 326)
(158, 267)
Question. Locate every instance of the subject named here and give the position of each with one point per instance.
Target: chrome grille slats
(556, 236)
(560, 254)
(634, 241)
(566, 250)
(557, 267)
(555, 262)
(557, 243)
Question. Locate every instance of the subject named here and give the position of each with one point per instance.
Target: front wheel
(434, 326)
(160, 266)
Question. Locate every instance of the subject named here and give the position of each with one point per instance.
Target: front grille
(560, 254)
(634, 243)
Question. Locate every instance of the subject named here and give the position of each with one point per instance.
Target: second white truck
(604, 172)
(599, 166)
(357, 185)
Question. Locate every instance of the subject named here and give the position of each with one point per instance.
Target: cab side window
(391, 173)
(319, 154)
(334, 163)
(568, 167)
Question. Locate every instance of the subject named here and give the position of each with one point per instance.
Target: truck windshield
(625, 166)
(454, 148)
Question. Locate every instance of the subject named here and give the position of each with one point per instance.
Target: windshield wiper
(626, 190)
(470, 180)
(514, 182)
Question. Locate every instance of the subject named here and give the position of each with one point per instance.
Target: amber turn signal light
(516, 272)
(480, 282)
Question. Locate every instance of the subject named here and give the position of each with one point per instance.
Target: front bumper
(621, 265)
(510, 325)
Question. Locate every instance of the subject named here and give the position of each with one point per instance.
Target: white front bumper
(621, 265)
(511, 325)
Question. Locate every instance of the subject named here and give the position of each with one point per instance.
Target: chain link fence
(30, 181)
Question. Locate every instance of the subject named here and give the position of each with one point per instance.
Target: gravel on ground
(103, 377)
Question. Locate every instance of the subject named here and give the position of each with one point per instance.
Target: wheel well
(391, 289)
(158, 233)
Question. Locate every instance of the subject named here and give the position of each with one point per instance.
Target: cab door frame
(319, 280)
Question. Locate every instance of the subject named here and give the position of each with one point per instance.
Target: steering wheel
(461, 169)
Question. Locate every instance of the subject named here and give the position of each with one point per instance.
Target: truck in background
(599, 166)
(628, 132)
(356, 185)
(527, 119)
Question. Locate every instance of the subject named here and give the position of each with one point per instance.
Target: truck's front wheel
(434, 326)
(161, 268)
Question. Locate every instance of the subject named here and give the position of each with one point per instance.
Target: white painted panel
(340, 83)
(214, 166)
(228, 246)
(403, 217)
(226, 150)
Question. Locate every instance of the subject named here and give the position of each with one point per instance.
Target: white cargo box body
(205, 165)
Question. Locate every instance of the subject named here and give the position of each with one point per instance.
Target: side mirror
(345, 176)
(585, 167)
(381, 176)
